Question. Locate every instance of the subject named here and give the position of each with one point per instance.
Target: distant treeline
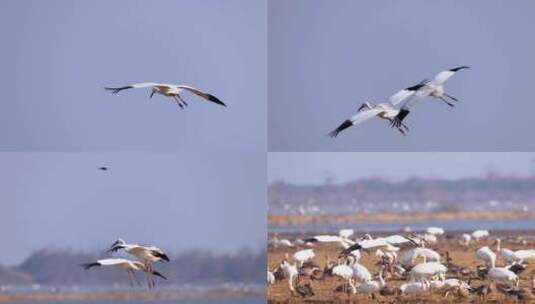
(62, 268)
(460, 193)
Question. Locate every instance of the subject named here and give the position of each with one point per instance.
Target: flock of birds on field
(409, 259)
(145, 255)
(399, 105)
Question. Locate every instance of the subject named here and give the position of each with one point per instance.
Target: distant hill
(13, 277)
(62, 268)
(422, 194)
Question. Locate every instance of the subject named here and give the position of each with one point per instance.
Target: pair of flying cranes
(394, 110)
(398, 105)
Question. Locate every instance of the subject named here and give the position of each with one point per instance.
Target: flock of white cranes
(145, 255)
(412, 258)
(399, 105)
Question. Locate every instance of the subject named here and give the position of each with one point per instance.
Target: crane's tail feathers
(346, 124)
(117, 90)
(89, 265)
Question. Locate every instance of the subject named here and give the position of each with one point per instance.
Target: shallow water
(447, 225)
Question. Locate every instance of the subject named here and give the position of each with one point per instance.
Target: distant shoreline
(134, 295)
(401, 218)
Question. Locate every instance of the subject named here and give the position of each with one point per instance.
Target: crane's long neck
(498, 245)
(381, 280)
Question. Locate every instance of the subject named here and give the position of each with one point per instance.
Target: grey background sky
(315, 167)
(178, 201)
(326, 57)
(57, 56)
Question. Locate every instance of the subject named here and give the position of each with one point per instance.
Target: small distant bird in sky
(103, 168)
(169, 90)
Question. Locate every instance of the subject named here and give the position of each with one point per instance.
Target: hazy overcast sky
(57, 56)
(305, 168)
(327, 57)
(177, 201)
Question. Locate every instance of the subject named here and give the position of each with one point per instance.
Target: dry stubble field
(462, 256)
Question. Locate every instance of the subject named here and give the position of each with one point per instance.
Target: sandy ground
(324, 289)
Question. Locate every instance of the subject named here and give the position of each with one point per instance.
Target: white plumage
(502, 274)
(487, 255)
(424, 271)
(304, 255)
(435, 230)
(169, 90)
(413, 288)
(361, 273)
(479, 234)
(433, 88)
(386, 110)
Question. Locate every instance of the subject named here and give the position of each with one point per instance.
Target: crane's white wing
(441, 77)
(106, 262)
(327, 238)
(406, 93)
(356, 119)
(116, 90)
(396, 239)
(372, 243)
(202, 94)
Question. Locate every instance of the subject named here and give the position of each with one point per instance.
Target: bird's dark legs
(178, 102)
(400, 127)
(152, 94)
(183, 101)
(130, 278)
(451, 97)
(151, 276)
(447, 102)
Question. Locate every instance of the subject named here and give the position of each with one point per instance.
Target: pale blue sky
(178, 201)
(57, 56)
(327, 57)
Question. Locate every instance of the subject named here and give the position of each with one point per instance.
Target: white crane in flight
(386, 110)
(433, 88)
(169, 90)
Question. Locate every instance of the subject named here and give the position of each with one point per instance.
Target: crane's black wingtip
(346, 124)
(333, 133)
(459, 68)
(214, 99)
(117, 90)
(86, 266)
(156, 273)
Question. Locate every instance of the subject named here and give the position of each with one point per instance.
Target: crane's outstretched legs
(178, 102)
(130, 277)
(447, 102)
(451, 97)
(181, 99)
